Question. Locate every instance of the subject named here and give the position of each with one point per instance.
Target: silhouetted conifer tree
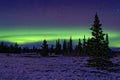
(44, 49)
(84, 51)
(79, 47)
(58, 47)
(16, 48)
(65, 47)
(3, 48)
(98, 42)
(107, 41)
(84, 42)
(98, 46)
(70, 46)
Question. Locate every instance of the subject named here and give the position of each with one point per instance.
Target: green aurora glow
(25, 35)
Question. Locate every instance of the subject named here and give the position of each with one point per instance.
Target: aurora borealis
(31, 35)
(29, 21)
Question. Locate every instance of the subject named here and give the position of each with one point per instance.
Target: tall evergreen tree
(58, 47)
(107, 41)
(98, 37)
(98, 46)
(44, 51)
(65, 47)
(70, 46)
(84, 46)
(84, 42)
(106, 48)
(16, 48)
(79, 46)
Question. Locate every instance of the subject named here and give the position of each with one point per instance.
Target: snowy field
(24, 67)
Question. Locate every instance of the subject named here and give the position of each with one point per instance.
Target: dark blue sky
(59, 12)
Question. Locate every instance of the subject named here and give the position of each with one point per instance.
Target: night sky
(28, 21)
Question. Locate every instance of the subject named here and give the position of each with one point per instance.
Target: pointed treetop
(97, 21)
(84, 36)
(79, 40)
(96, 15)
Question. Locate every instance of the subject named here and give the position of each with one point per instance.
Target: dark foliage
(78, 48)
(84, 50)
(65, 49)
(98, 46)
(9, 49)
(44, 50)
(58, 47)
(70, 46)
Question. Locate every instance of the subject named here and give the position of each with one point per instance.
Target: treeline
(9, 49)
(65, 48)
(97, 45)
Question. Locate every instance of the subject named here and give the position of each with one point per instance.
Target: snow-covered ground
(19, 67)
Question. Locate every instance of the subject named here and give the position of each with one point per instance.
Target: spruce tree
(16, 48)
(64, 47)
(84, 50)
(98, 46)
(97, 37)
(107, 41)
(84, 42)
(79, 46)
(70, 46)
(44, 46)
(58, 47)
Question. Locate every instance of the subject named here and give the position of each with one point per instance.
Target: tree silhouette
(79, 47)
(58, 47)
(70, 46)
(17, 49)
(98, 37)
(65, 47)
(107, 41)
(44, 49)
(84, 50)
(4, 48)
(97, 46)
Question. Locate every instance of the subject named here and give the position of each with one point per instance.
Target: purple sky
(17, 16)
(59, 12)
